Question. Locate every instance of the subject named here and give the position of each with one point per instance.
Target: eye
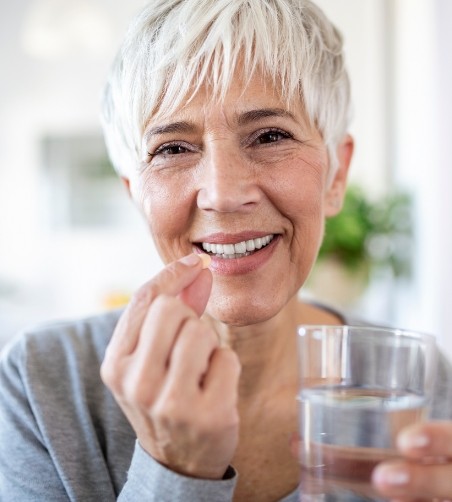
(169, 149)
(271, 136)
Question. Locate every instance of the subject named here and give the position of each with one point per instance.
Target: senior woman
(227, 121)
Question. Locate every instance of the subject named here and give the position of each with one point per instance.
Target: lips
(238, 249)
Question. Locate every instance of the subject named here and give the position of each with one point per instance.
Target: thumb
(196, 295)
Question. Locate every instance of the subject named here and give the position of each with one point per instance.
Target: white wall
(406, 73)
(364, 26)
(423, 68)
(48, 272)
(444, 40)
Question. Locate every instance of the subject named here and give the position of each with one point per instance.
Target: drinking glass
(359, 387)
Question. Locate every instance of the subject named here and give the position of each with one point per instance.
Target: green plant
(371, 233)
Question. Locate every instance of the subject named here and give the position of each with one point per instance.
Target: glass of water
(359, 387)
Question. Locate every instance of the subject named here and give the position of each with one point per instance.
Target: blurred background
(71, 242)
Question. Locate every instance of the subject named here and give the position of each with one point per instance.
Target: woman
(227, 121)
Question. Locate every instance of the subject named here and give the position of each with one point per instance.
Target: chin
(238, 313)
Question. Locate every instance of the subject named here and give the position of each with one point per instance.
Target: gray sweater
(63, 437)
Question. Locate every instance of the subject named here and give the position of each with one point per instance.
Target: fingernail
(412, 440)
(390, 475)
(191, 260)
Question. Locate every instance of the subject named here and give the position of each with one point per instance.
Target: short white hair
(175, 46)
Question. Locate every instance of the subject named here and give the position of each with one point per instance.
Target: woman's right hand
(176, 385)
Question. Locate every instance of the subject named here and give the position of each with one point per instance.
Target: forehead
(241, 102)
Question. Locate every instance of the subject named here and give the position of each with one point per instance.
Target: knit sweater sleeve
(27, 472)
(151, 482)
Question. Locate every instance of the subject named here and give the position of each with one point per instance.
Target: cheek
(167, 215)
(300, 198)
(299, 193)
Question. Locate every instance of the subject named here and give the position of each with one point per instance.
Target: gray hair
(175, 46)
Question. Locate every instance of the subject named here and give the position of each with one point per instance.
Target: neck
(268, 350)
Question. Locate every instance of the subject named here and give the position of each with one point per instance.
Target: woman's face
(245, 181)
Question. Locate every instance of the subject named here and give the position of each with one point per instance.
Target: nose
(227, 182)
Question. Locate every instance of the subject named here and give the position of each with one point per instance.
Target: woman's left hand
(426, 471)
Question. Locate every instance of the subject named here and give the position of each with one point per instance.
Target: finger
(408, 480)
(161, 326)
(172, 280)
(191, 354)
(196, 295)
(164, 320)
(429, 439)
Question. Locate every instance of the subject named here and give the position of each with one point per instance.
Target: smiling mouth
(236, 250)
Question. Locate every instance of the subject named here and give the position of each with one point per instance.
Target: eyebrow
(262, 113)
(242, 119)
(174, 127)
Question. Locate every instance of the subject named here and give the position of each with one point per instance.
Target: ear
(335, 193)
(126, 183)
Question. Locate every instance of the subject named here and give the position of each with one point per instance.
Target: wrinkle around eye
(272, 137)
(163, 161)
(268, 136)
(163, 150)
(169, 153)
(285, 152)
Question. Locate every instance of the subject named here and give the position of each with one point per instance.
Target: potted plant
(367, 236)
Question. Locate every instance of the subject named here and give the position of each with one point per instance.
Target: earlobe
(336, 191)
(126, 183)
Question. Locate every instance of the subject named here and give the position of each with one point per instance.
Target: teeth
(239, 249)
(228, 248)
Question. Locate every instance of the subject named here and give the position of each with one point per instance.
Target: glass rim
(398, 332)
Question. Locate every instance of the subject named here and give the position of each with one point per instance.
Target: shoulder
(331, 312)
(58, 344)
(56, 366)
